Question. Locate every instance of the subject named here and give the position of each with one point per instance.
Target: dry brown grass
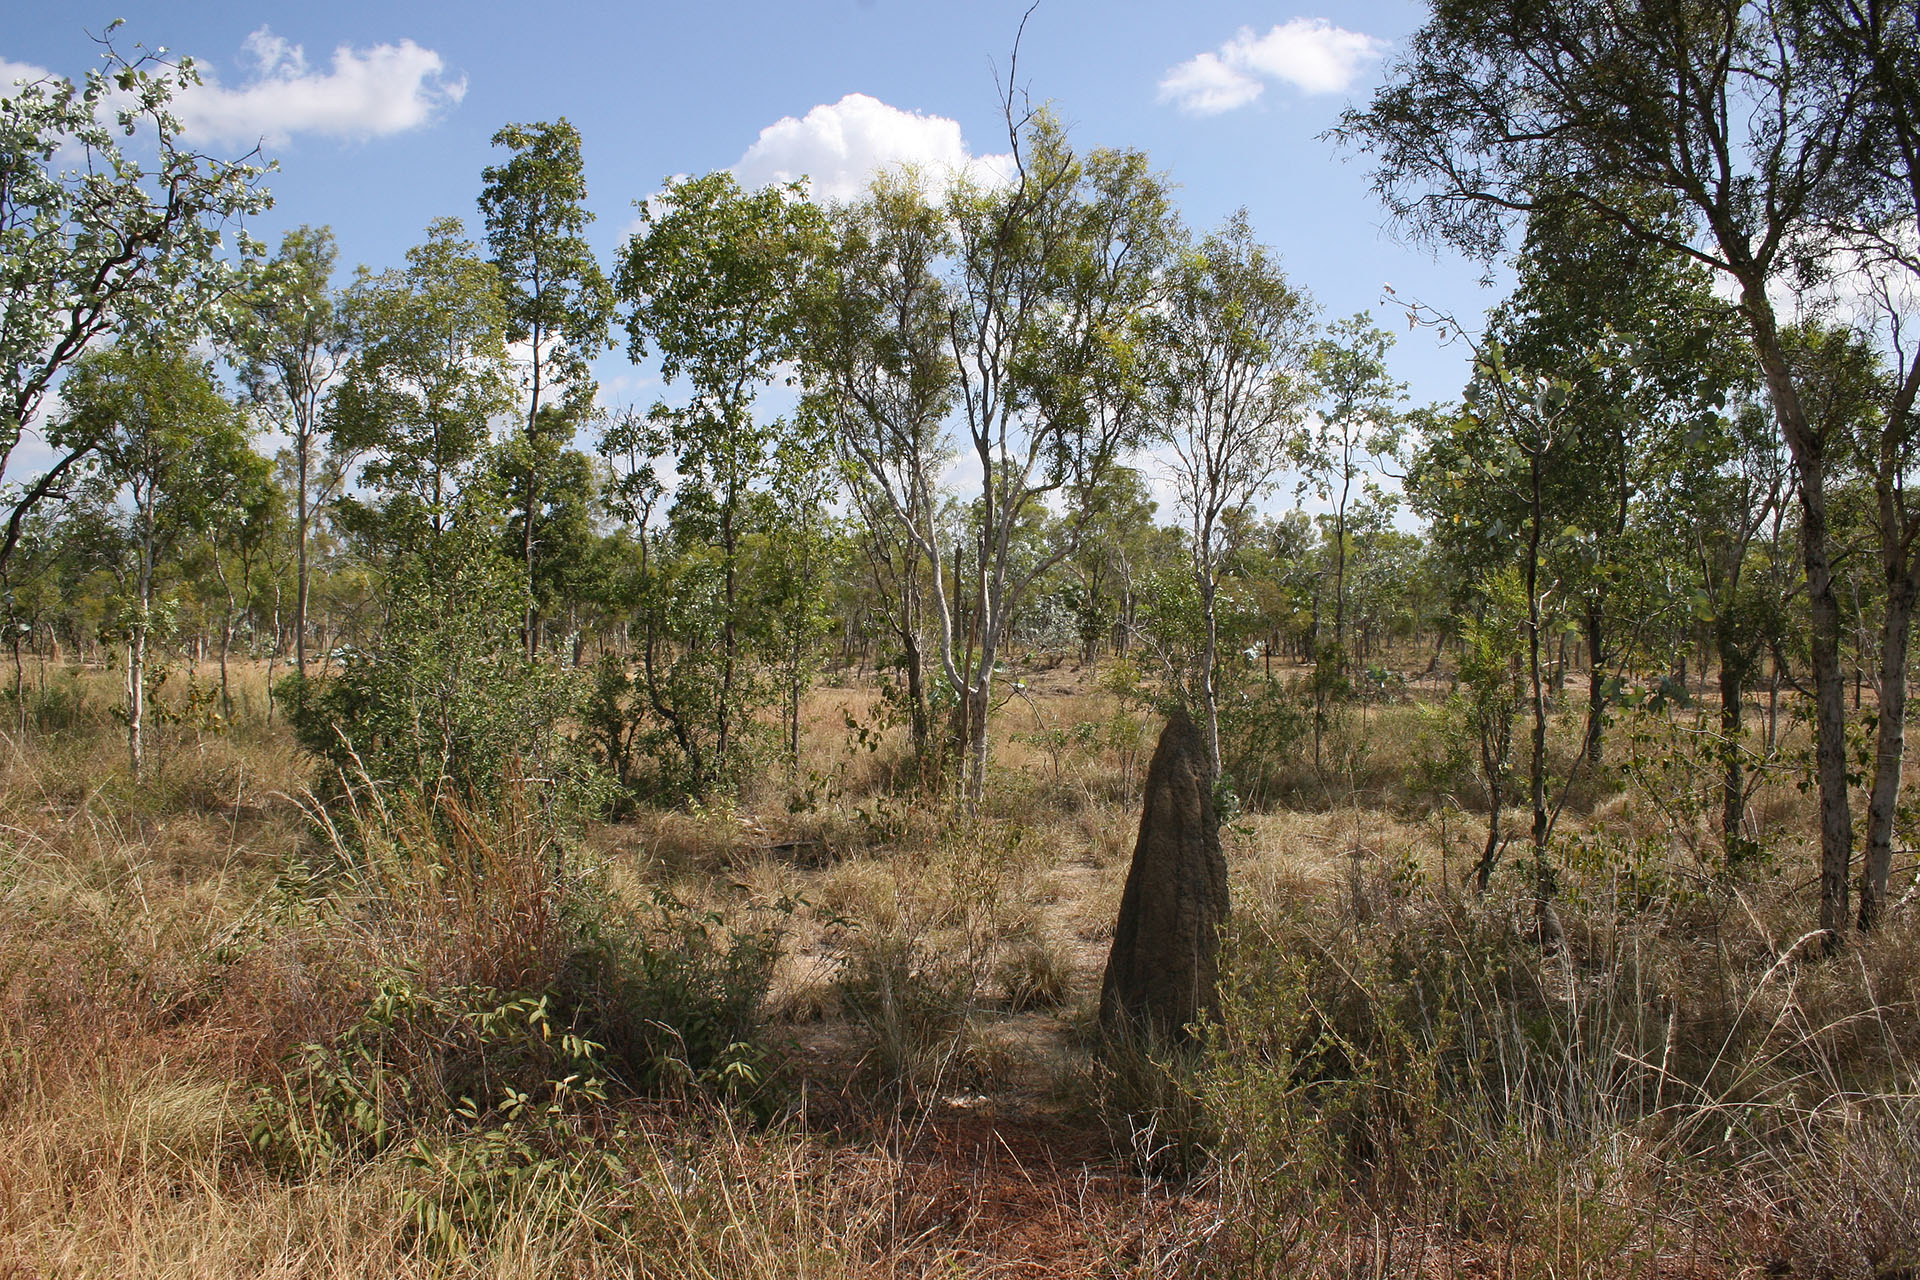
(160, 953)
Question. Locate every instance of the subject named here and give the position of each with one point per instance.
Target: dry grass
(1679, 1094)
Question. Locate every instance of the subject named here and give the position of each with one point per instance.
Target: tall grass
(245, 1032)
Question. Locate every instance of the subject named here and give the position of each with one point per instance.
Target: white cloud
(842, 146)
(1206, 85)
(13, 74)
(363, 93)
(1311, 54)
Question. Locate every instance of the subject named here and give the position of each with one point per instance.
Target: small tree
(291, 343)
(429, 375)
(168, 444)
(1226, 391)
(712, 285)
(1047, 285)
(1354, 436)
(443, 701)
(557, 301)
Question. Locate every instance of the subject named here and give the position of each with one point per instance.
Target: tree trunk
(532, 499)
(917, 716)
(976, 765)
(136, 691)
(1547, 919)
(303, 448)
(1890, 748)
(1209, 676)
(1596, 685)
(729, 643)
(20, 684)
(1830, 713)
(1733, 794)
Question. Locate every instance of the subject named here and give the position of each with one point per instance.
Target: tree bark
(1823, 604)
(1596, 684)
(1733, 794)
(1890, 746)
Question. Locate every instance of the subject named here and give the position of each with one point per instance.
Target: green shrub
(421, 1062)
(512, 989)
(1263, 727)
(678, 995)
(444, 699)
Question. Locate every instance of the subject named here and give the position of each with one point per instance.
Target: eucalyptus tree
(558, 301)
(97, 235)
(1045, 280)
(1226, 392)
(1781, 131)
(429, 373)
(1724, 489)
(169, 450)
(1116, 554)
(291, 341)
(882, 382)
(1483, 475)
(1852, 399)
(1354, 435)
(712, 284)
(1655, 360)
(241, 511)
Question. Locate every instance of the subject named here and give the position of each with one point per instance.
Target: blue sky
(380, 114)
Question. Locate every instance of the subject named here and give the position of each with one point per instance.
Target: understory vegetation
(266, 1018)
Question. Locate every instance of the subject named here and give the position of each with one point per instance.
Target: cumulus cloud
(1311, 54)
(841, 146)
(14, 74)
(361, 93)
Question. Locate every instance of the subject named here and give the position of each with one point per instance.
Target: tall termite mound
(1164, 964)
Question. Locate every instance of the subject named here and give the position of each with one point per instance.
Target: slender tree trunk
(1773, 704)
(273, 648)
(1210, 667)
(1492, 766)
(917, 717)
(1830, 714)
(137, 640)
(302, 449)
(20, 685)
(532, 499)
(977, 707)
(226, 692)
(226, 637)
(1596, 684)
(1823, 605)
(1340, 578)
(1890, 747)
(136, 656)
(1547, 918)
(1733, 794)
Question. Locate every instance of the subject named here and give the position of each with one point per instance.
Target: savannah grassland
(259, 1022)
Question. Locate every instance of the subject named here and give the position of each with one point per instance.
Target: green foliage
(424, 1062)
(97, 238)
(444, 699)
(557, 299)
(678, 994)
(730, 589)
(1264, 725)
(429, 374)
